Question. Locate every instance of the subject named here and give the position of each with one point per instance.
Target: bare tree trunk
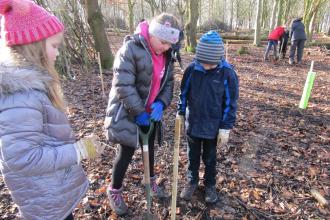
(264, 14)
(279, 13)
(130, 16)
(237, 10)
(257, 24)
(287, 9)
(231, 15)
(163, 5)
(311, 27)
(181, 10)
(142, 8)
(224, 11)
(272, 19)
(311, 8)
(191, 25)
(95, 21)
(153, 7)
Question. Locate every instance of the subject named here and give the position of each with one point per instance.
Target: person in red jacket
(273, 38)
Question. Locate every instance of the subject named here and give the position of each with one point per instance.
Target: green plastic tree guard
(307, 90)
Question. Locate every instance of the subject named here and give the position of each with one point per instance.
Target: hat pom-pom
(5, 6)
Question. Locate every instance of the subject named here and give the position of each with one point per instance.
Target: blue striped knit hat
(210, 48)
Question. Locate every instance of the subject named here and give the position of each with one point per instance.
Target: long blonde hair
(35, 54)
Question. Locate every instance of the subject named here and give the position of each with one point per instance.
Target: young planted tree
(257, 24)
(95, 21)
(191, 24)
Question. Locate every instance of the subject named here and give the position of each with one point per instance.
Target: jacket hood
(19, 79)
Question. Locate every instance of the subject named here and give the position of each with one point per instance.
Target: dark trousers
(70, 217)
(271, 44)
(124, 158)
(299, 46)
(282, 48)
(206, 148)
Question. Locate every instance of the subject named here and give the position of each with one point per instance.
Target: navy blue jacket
(298, 30)
(210, 98)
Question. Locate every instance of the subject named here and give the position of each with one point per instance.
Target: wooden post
(178, 126)
(101, 74)
(227, 50)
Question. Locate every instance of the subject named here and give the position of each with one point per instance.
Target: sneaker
(299, 62)
(117, 202)
(156, 191)
(211, 195)
(188, 191)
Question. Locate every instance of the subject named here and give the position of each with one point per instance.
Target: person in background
(298, 38)
(273, 38)
(40, 159)
(283, 44)
(208, 104)
(176, 50)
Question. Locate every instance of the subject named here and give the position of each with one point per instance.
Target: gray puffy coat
(130, 89)
(38, 160)
(298, 30)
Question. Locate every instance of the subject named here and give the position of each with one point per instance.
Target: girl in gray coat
(142, 88)
(39, 160)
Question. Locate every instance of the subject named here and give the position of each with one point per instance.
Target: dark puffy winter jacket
(130, 89)
(298, 30)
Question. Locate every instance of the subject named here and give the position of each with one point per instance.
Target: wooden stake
(101, 74)
(178, 126)
(227, 50)
(312, 66)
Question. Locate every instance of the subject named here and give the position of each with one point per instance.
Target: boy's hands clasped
(223, 137)
(88, 147)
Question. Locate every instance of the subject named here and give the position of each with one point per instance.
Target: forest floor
(276, 155)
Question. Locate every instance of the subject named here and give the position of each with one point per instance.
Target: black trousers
(297, 45)
(124, 158)
(207, 148)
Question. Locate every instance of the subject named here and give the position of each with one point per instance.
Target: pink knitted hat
(24, 22)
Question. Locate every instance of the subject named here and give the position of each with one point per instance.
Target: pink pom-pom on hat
(24, 22)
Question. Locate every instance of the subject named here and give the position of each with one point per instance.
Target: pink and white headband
(164, 32)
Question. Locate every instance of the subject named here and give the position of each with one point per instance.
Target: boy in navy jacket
(208, 102)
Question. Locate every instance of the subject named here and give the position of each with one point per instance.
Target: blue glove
(142, 119)
(157, 111)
